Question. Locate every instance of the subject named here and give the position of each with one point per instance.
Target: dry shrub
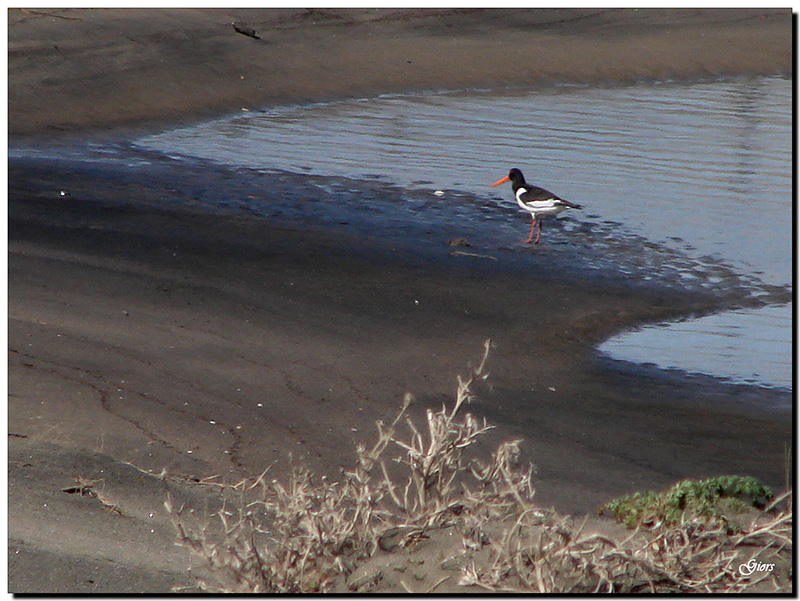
(299, 536)
(555, 556)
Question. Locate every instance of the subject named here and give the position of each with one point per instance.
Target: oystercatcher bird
(537, 201)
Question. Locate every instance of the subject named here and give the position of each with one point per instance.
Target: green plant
(712, 498)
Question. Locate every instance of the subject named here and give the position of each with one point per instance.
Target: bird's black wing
(534, 193)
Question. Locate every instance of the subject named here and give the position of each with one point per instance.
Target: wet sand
(103, 68)
(146, 339)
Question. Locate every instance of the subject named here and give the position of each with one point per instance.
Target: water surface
(684, 185)
(702, 169)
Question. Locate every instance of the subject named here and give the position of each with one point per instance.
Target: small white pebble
(439, 193)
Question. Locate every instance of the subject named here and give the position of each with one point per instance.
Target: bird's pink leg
(539, 233)
(533, 227)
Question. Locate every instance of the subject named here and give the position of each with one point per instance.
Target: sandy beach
(146, 339)
(141, 67)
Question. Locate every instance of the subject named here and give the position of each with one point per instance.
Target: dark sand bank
(104, 68)
(143, 339)
(210, 345)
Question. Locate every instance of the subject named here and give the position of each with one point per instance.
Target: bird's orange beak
(502, 181)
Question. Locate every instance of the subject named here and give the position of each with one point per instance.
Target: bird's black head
(516, 177)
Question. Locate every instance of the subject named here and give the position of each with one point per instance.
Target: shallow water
(714, 344)
(685, 185)
(701, 170)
